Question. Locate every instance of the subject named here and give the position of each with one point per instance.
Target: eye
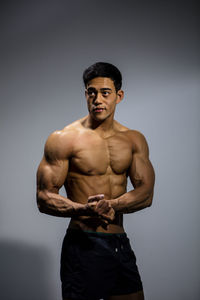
(91, 93)
(105, 93)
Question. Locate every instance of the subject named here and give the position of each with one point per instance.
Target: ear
(120, 96)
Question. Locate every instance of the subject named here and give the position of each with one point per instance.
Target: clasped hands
(101, 208)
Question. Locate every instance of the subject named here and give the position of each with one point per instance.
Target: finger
(105, 224)
(108, 216)
(92, 205)
(95, 197)
(102, 208)
(102, 212)
(102, 204)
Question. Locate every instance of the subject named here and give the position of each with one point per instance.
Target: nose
(97, 99)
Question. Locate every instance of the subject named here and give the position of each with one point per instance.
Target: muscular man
(92, 158)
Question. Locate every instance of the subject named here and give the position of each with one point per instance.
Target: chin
(98, 118)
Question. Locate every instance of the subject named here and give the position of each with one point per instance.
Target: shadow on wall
(24, 272)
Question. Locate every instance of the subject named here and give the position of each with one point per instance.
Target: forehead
(101, 82)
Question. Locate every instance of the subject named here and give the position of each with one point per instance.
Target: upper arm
(141, 171)
(53, 168)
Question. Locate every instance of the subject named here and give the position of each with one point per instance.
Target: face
(102, 98)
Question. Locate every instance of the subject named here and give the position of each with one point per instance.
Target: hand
(95, 198)
(102, 207)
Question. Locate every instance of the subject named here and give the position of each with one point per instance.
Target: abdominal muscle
(79, 187)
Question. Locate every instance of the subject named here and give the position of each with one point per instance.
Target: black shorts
(97, 265)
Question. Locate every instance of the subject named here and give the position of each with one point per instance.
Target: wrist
(80, 209)
(114, 203)
(86, 209)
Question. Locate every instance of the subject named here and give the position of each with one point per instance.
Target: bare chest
(94, 155)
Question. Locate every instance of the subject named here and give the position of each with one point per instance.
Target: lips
(98, 109)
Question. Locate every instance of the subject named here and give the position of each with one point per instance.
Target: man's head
(103, 69)
(103, 90)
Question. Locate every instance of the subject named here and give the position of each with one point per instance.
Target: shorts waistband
(96, 234)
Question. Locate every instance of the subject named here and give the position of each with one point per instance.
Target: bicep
(51, 176)
(141, 170)
(53, 168)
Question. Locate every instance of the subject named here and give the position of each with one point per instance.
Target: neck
(104, 127)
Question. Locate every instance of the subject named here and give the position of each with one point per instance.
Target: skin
(92, 158)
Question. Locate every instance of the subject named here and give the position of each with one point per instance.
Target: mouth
(98, 109)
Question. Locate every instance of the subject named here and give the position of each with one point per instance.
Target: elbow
(41, 201)
(149, 200)
(148, 204)
(40, 207)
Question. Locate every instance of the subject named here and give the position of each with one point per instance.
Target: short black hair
(103, 69)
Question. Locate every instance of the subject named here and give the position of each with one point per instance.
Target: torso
(99, 165)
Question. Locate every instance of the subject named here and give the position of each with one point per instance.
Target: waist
(87, 224)
(89, 233)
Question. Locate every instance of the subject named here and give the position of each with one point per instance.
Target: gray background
(45, 46)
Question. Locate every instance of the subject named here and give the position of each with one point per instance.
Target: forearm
(133, 201)
(57, 205)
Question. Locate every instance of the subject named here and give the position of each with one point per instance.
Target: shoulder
(138, 141)
(134, 135)
(59, 144)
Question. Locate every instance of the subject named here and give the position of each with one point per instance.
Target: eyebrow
(102, 89)
(105, 89)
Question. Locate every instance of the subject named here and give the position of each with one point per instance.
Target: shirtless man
(92, 158)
